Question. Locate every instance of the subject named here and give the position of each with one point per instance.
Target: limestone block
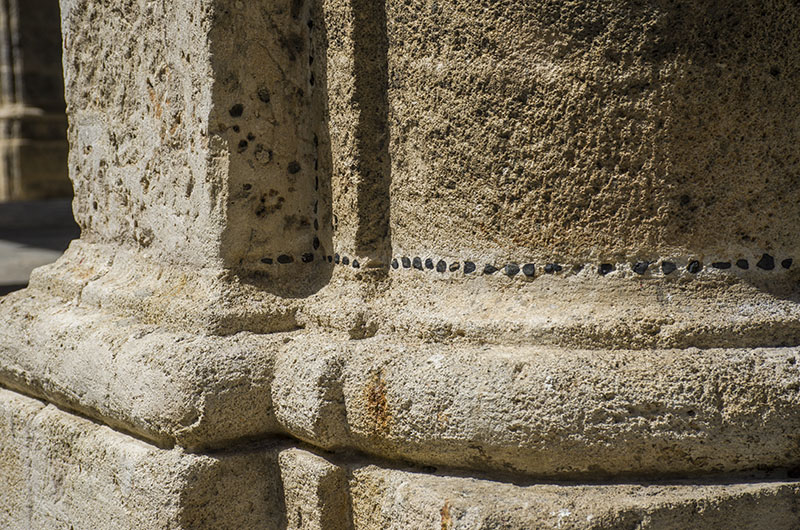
(204, 123)
(62, 471)
(315, 492)
(391, 499)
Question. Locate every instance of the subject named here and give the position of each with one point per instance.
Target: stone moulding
(531, 411)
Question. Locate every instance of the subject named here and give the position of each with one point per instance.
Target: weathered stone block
(61, 471)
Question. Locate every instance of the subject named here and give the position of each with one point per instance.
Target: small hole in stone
(284, 259)
(787, 263)
(743, 264)
(237, 110)
(315, 244)
(690, 413)
(268, 261)
(247, 187)
(263, 94)
(242, 146)
(308, 257)
(251, 136)
(605, 268)
(293, 167)
(236, 128)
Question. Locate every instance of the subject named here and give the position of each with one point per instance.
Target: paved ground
(32, 233)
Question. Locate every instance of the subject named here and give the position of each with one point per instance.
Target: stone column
(419, 265)
(33, 145)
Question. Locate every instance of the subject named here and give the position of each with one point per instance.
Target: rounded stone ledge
(584, 310)
(530, 411)
(544, 412)
(397, 500)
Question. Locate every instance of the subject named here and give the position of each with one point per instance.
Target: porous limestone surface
(199, 136)
(527, 410)
(573, 131)
(395, 500)
(60, 471)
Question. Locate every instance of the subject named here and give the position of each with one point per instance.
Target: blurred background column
(33, 145)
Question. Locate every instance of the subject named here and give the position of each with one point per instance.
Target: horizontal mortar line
(511, 269)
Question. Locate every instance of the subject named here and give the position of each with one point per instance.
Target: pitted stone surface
(60, 471)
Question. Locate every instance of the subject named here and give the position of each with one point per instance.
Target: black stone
(550, 268)
(236, 128)
(284, 259)
(605, 268)
(469, 267)
(743, 264)
(511, 270)
(429, 263)
(455, 266)
(336, 258)
(242, 146)
(694, 266)
(263, 94)
(316, 224)
(395, 264)
(308, 257)
(251, 137)
(786, 263)
(345, 260)
(237, 110)
(293, 167)
(406, 262)
(330, 259)
(529, 270)
(668, 267)
(356, 264)
(417, 262)
(441, 266)
(489, 269)
(268, 261)
(766, 262)
(315, 244)
(721, 264)
(641, 267)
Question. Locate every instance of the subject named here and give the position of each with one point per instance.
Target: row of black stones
(766, 263)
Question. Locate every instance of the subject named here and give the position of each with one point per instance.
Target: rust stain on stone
(447, 520)
(377, 405)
